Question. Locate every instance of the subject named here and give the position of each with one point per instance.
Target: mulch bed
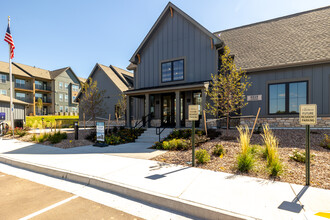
(289, 140)
(66, 143)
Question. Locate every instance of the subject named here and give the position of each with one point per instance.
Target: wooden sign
(308, 114)
(193, 113)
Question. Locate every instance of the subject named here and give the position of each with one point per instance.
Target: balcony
(23, 87)
(26, 99)
(43, 88)
(44, 100)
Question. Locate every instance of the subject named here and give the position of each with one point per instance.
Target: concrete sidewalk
(191, 191)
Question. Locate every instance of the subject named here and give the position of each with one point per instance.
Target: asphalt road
(23, 199)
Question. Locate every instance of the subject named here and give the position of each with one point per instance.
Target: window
(172, 71)
(20, 96)
(20, 83)
(61, 108)
(38, 84)
(66, 97)
(66, 109)
(285, 98)
(60, 85)
(73, 98)
(3, 78)
(3, 92)
(37, 96)
(75, 88)
(66, 85)
(60, 96)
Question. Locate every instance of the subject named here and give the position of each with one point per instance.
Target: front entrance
(168, 110)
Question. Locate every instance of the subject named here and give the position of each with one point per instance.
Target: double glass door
(168, 110)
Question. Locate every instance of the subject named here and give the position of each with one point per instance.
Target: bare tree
(92, 99)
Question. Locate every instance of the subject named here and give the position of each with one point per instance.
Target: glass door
(168, 115)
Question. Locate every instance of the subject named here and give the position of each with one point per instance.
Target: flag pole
(11, 87)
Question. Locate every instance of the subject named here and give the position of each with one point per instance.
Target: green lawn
(35, 121)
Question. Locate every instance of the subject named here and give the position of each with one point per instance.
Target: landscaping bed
(289, 141)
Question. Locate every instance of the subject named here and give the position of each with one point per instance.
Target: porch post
(203, 107)
(147, 107)
(128, 113)
(177, 106)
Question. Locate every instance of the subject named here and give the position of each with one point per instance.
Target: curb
(185, 207)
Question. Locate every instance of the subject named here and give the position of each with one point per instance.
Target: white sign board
(251, 98)
(100, 131)
(308, 114)
(193, 113)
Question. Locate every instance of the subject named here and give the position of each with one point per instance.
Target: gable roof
(114, 76)
(160, 19)
(81, 79)
(34, 71)
(56, 73)
(4, 98)
(285, 41)
(4, 67)
(124, 75)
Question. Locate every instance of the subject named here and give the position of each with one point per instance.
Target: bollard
(76, 128)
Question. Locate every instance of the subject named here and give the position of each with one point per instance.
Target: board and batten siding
(176, 38)
(317, 76)
(19, 110)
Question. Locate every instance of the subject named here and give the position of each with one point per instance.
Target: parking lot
(23, 199)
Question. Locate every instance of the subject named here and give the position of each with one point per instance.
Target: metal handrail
(159, 132)
(143, 121)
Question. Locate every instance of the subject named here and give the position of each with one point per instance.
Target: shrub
(245, 160)
(175, 144)
(202, 156)
(271, 151)
(112, 139)
(325, 142)
(300, 156)
(218, 150)
(115, 129)
(57, 137)
(34, 137)
(42, 137)
(91, 136)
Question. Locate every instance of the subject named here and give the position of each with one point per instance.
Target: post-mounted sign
(308, 114)
(193, 113)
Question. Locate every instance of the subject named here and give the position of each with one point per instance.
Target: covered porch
(166, 106)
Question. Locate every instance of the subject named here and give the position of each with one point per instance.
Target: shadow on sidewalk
(294, 206)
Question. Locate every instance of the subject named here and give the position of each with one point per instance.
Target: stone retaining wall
(322, 122)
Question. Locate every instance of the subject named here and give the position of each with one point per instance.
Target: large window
(3, 78)
(60, 96)
(285, 98)
(38, 96)
(60, 85)
(172, 71)
(66, 85)
(20, 96)
(66, 97)
(20, 83)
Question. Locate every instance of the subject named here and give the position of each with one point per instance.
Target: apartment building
(57, 89)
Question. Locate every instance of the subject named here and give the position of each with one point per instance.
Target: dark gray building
(287, 60)
(113, 81)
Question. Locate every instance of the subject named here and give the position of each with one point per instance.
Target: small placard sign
(308, 114)
(193, 113)
(100, 131)
(251, 98)
(2, 116)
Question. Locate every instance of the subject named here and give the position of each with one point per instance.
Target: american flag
(9, 40)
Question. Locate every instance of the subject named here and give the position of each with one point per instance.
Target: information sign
(2, 116)
(100, 131)
(308, 114)
(193, 113)
(251, 98)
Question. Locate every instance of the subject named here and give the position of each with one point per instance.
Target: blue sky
(52, 34)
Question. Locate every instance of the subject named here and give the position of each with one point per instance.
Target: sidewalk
(192, 191)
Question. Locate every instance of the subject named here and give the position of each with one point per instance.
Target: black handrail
(158, 131)
(143, 121)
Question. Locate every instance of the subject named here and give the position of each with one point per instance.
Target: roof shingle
(289, 40)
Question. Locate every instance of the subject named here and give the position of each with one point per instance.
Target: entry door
(168, 110)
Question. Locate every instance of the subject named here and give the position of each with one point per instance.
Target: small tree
(121, 106)
(92, 99)
(227, 88)
(39, 105)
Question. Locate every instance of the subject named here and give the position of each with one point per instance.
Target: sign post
(100, 135)
(308, 116)
(193, 114)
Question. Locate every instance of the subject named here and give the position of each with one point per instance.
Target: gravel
(289, 140)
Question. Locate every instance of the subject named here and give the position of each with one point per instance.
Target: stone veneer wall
(322, 122)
